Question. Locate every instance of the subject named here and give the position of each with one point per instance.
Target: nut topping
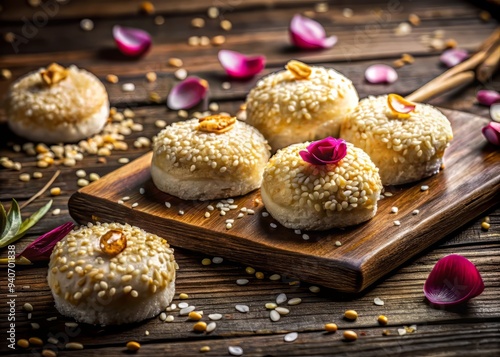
(53, 74)
(216, 123)
(299, 69)
(113, 242)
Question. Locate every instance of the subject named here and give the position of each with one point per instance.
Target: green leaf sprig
(12, 226)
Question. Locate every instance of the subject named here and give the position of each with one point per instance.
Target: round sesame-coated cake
(111, 274)
(406, 146)
(301, 195)
(301, 103)
(209, 158)
(57, 104)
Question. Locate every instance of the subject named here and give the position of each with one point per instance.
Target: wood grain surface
(259, 26)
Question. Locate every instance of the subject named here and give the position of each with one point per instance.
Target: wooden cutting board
(469, 184)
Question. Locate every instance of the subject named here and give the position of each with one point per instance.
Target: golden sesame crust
(81, 273)
(72, 100)
(352, 183)
(416, 143)
(280, 102)
(184, 151)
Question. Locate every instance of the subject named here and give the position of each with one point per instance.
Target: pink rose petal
(238, 65)
(131, 41)
(453, 280)
(492, 132)
(487, 97)
(453, 57)
(309, 34)
(187, 94)
(381, 73)
(325, 151)
(41, 248)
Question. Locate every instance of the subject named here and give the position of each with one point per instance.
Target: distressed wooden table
(52, 32)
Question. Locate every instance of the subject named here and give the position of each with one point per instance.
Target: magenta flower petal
(238, 65)
(492, 132)
(325, 151)
(453, 57)
(41, 248)
(453, 280)
(187, 94)
(381, 73)
(131, 41)
(488, 97)
(309, 34)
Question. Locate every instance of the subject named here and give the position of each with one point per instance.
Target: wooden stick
(485, 53)
(489, 66)
(442, 86)
(39, 193)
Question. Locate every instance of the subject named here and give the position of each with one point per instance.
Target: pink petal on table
(238, 65)
(492, 132)
(131, 41)
(381, 73)
(487, 97)
(41, 248)
(188, 93)
(453, 280)
(453, 57)
(309, 34)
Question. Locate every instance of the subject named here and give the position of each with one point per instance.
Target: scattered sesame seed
(218, 40)
(181, 74)
(7, 74)
(56, 212)
(338, 243)
(151, 77)
(168, 204)
(394, 210)
(229, 226)
(52, 318)
(215, 317)
(194, 315)
(350, 335)
(331, 327)
(270, 305)
(213, 12)
(242, 281)
(186, 310)
(242, 308)
(259, 275)
(347, 12)
(250, 270)
(94, 177)
(142, 191)
(128, 87)
(314, 289)
(111, 78)
(71, 324)
(485, 225)
(217, 260)
(24, 177)
(35, 326)
(274, 315)
(160, 123)
(235, 350)
(424, 188)
(206, 261)
(53, 340)
(290, 337)
(397, 223)
(87, 25)
(35, 341)
(169, 318)
(181, 212)
(265, 214)
(205, 348)
(415, 212)
(73, 346)
(275, 277)
(198, 22)
(211, 326)
(147, 7)
(273, 225)
(123, 160)
(159, 20)
(175, 62)
(226, 25)
(388, 194)
(281, 298)
(134, 205)
(28, 307)
(226, 85)
(146, 333)
(282, 310)
(183, 296)
(294, 301)
(379, 302)
(37, 175)
(305, 236)
(401, 331)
